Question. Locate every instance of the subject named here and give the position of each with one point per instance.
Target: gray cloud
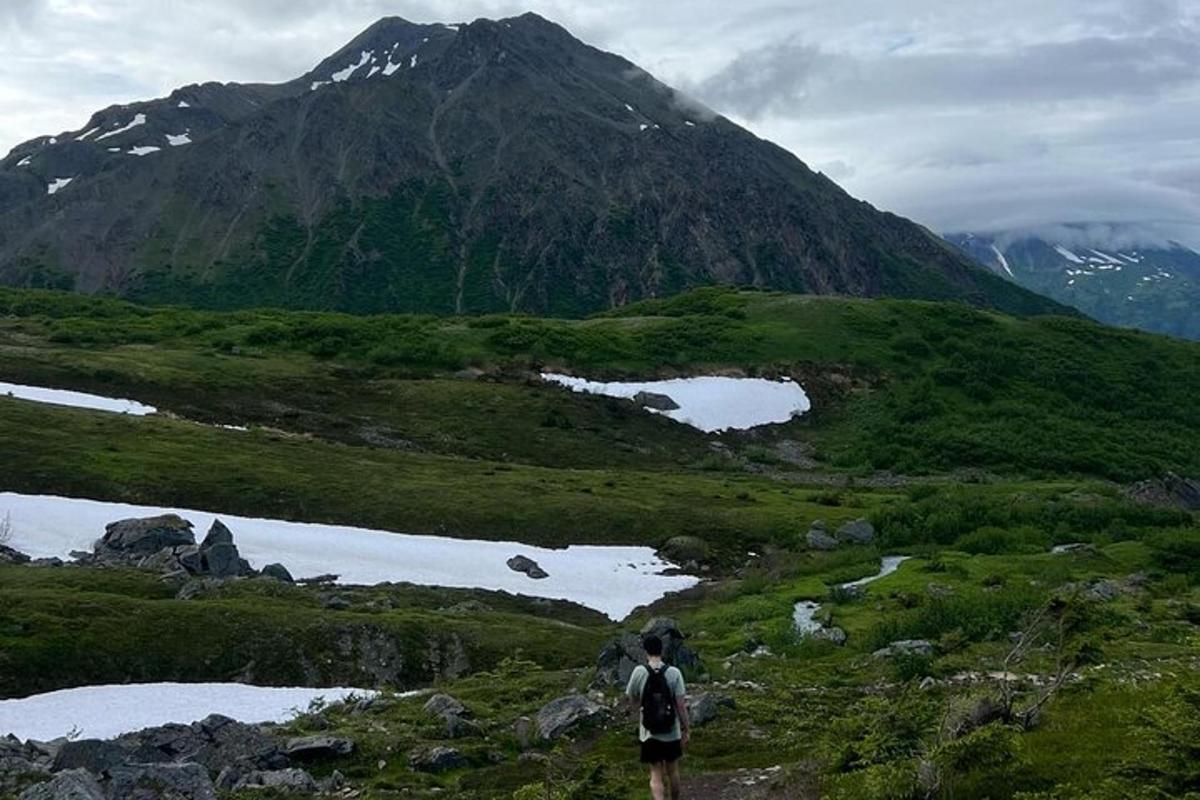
(985, 115)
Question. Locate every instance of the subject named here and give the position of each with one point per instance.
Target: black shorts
(656, 752)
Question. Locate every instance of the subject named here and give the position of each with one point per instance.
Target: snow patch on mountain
(138, 119)
(344, 74)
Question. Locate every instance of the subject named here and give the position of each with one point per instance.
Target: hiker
(664, 728)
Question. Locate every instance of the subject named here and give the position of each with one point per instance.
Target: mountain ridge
(491, 166)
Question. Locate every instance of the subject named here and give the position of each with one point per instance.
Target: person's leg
(656, 781)
(673, 775)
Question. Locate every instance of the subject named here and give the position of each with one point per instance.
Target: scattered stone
(704, 707)
(277, 571)
(656, 401)
(528, 566)
(905, 647)
(75, 784)
(313, 748)
(860, 531)
(292, 779)
(523, 731)
(565, 714)
(834, 634)
(436, 759)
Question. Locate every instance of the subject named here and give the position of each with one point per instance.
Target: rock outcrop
(622, 654)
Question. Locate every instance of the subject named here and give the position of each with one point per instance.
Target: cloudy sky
(976, 115)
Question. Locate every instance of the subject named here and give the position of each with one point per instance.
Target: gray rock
(312, 748)
(292, 779)
(75, 784)
(833, 634)
(905, 647)
(279, 572)
(818, 539)
(147, 535)
(10, 556)
(436, 759)
(860, 531)
(704, 707)
(685, 550)
(94, 755)
(565, 714)
(217, 534)
(528, 566)
(220, 560)
(188, 781)
(656, 401)
(439, 705)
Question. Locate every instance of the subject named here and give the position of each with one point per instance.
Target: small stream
(805, 611)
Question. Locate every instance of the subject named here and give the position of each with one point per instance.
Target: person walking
(664, 728)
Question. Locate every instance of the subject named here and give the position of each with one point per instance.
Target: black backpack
(658, 702)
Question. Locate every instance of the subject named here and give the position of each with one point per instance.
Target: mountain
(491, 166)
(1154, 288)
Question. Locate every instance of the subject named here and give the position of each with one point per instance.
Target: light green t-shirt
(637, 682)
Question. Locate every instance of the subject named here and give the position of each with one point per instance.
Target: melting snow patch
(612, 580)
(144, 150)
(178, 140)
(138, 119)
(1067, 254)
(104, 712)
(64, 397)
(709, 403)
(57, 184)
(343, 74)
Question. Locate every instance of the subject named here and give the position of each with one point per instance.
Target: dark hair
(653, 645)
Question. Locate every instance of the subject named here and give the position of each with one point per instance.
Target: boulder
(188, 781)
(74, 784)
(217, 534)
(656, 401)
(279, 572)
(818, 537)
(10, 556)
(94, 755)
(147, 535)
(220, 560)
(292, 779)
(436, 759)
(857, 532)
(905, 647)
(621, 655)
(439, 705)
(833, 634)
(704, 707)
(528, 566)
(565, 714)
(313, 748)
(685, 550)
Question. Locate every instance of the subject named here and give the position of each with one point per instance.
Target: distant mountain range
(491, 166)
(1154, 288)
